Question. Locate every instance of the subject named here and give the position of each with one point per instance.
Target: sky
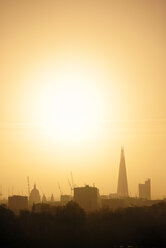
(78, 80)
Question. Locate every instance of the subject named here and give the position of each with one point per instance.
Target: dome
(34, 196)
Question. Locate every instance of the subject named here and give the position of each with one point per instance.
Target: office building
(87, 197)
(145, 190)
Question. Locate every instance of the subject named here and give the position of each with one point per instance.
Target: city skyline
(79, 79)
(122, 186)
(87, 197)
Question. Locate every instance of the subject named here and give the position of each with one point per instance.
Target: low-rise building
(17, 203)
(112, 204)
(65, 199)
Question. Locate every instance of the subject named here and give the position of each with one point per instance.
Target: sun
(70, 113)
(69, 103)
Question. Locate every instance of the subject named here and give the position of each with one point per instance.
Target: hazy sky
(78, 79)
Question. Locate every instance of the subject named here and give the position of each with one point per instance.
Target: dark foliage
(70, 226)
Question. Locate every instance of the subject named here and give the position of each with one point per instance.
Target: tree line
(71, 226)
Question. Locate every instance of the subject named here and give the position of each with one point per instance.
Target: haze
(78, 80)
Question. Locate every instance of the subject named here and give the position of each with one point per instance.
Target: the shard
(122, 190)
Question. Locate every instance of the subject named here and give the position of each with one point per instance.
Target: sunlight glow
(69, 103)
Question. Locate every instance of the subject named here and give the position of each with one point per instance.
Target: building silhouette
(122, 190)
(34, 196)
(16, 203)
(52, 198)
(65, 199)
(113, 204)
(145, 190)
(44, 199)
(87, 197)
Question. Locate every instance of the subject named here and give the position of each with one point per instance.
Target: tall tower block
(122, 190)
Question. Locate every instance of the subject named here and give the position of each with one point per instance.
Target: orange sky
(78, 79)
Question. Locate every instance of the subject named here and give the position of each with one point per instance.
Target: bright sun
(69, 103)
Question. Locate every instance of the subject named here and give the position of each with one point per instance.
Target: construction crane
(60, 189)
(72, 181)
(28, 186)
(70, 185)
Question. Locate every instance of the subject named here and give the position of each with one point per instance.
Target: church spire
(122, 190)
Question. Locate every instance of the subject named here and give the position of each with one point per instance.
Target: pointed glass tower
(122, 190)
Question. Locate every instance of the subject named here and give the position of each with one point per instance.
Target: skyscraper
(122, 190)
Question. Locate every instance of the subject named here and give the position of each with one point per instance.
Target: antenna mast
(70, 186)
